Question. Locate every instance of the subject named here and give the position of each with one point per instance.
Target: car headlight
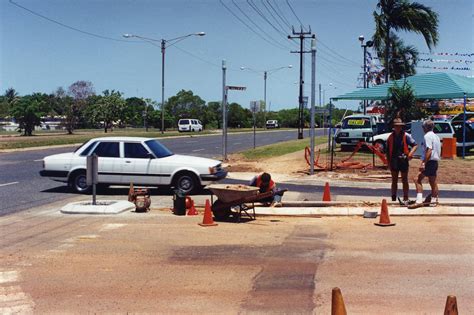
(367, 134)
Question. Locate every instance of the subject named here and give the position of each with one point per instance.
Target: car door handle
(128, 161)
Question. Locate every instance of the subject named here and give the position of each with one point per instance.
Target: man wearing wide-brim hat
(400, 149)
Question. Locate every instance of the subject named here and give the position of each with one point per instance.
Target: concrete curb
(331, 210)
(102, 207)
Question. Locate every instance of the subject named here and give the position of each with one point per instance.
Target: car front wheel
(79, 183)
(186, 182)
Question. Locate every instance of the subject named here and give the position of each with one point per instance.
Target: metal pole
(330, 126)
(365, 77)
(254, 121)
(163, 48)
(464, 129)
(265, 99)
(331, 147)
(313, 97)
(300, 99)
(224, 119)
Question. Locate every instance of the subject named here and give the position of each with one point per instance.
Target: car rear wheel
(187, 182)
(79, 182)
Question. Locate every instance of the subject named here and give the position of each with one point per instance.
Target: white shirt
(431, 141)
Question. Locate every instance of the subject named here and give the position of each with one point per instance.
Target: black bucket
(179, 202)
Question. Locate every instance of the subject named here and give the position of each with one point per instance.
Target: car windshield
(356, 123)
(184, 122)
(158, 149)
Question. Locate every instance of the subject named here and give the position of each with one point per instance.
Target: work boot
(276, 204)
(394, 197)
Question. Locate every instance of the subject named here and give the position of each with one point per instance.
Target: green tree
(107, 108)
(8, 100)
(185, 105)
(239, 117)
(213, 116)
(402, 15)
(28, 112)
(402, 104)
(133, 111)
(80, 91)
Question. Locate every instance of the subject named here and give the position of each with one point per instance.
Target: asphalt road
(22, 188)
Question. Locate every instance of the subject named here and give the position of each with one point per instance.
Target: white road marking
(111, 226)
(8, 276)
(8, 184)
(190, 141)
(40, 160)
(12, 298)
(236, 143)
(198, 150)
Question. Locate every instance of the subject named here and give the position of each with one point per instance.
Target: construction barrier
(448, 149)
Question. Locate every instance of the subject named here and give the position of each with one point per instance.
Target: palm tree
(403, 59)
(401, 15)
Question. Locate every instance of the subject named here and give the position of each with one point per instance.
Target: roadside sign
(232, 87)
(254, 106)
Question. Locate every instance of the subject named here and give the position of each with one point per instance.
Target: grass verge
(280, 148)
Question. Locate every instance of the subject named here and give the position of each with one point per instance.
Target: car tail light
(212, 170)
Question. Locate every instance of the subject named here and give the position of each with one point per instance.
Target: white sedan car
(125, 160)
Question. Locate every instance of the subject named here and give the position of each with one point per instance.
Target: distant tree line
(79, 107)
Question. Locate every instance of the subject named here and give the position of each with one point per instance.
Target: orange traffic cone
(337, 303)
(384, 217)
(327, 193)
(131, 193)
(451, 307)
(192, 210)
(207, 220)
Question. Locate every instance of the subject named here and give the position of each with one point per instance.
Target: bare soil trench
(457, 171)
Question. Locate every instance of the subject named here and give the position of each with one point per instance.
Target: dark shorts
(430, 168)
(399, 165)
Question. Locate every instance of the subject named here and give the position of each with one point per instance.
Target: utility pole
(301, 35)
(313, 98)
(265, 99)
(224, 116)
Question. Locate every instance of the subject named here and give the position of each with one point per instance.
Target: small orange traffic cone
(337, 303)
(451, 307)
(327, 193)
(131, 193)
(207, 220)
(192, 210)
(384, 217)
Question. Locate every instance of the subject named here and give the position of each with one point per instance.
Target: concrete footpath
(297, 204)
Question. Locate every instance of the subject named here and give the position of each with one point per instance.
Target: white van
(272, 124)
(189, 124)
(355, 128)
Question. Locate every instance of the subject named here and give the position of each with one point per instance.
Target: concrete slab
(102, 207)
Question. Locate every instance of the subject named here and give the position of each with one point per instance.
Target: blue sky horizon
(38, 55)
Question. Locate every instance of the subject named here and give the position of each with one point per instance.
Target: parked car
(457, 124)
(272, 124)
(355, 128)
(443, 129)
(125, 160)
(189, 125)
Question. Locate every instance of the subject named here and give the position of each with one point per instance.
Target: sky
(39, 55)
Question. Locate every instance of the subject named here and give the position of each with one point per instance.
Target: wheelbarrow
(236, 197)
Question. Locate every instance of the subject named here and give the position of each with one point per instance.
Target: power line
(250, 28)
(256, 9)
(336, 53)
(281, 16)
(256, 25)
(71, 27)
(294, 13)
(273, 16)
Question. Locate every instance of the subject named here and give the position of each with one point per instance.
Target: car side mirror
(150, 156)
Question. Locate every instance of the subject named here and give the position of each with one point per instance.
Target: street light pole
(265, 99)
(364, 46)
(163, 50)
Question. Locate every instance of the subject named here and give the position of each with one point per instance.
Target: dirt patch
(457, 171)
